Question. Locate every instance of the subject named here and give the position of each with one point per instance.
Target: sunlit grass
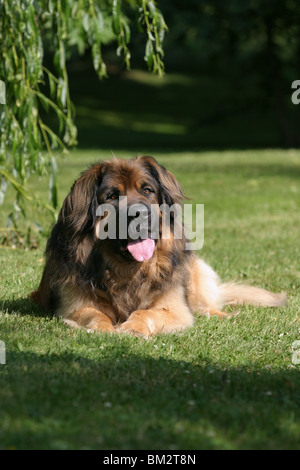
(219, 385)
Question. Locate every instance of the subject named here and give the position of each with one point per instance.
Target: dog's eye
(114, 195)
(148, 190)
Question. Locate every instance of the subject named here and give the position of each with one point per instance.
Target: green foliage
(28, 28)
(252, 44)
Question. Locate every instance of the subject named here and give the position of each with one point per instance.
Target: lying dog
(142, 286)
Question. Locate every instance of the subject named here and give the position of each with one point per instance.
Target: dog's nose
(138, 221)
(138, 211)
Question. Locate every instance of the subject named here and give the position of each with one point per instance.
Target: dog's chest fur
(137, 290)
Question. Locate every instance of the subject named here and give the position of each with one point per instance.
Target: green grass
(219, 385)
(137, 109)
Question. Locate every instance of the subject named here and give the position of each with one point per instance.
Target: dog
(143, 286)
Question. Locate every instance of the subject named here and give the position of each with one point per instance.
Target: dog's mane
(74, 254)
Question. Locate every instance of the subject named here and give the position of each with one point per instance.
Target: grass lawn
(227, 384)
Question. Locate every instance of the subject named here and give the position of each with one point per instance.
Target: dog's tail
(233, 294)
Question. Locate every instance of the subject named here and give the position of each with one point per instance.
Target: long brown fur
(92, 283)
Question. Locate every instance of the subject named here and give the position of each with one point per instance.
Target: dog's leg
(218, 313)
(206, 295)
(203, 290)
(90, 318)
(169, 313)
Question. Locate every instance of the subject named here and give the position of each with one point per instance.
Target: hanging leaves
(27, 144)
(155, 26)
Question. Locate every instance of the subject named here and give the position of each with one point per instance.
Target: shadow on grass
(124, 401)
(138, 111)
(24, 306)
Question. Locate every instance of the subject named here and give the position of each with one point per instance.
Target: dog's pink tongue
(141, 250)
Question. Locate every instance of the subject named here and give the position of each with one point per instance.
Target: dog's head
(117, 201)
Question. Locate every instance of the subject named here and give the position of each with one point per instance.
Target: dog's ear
(78, 212)
(170, 190)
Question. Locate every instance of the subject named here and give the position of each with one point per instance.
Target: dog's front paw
(135, 327)
(132, 332)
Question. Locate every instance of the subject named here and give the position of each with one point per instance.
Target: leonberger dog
(144, 286)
